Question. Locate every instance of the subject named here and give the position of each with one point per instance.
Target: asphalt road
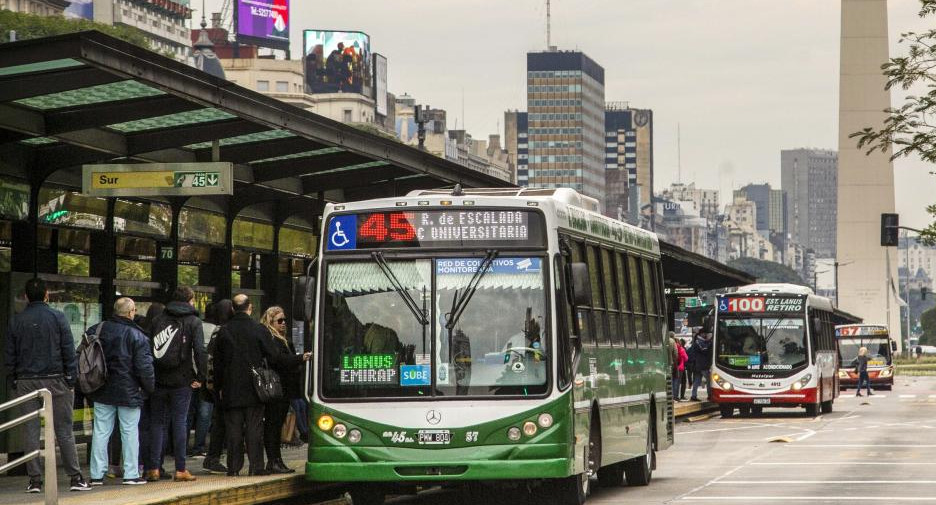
(879, 449)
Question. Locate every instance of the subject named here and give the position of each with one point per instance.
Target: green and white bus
(486, 335)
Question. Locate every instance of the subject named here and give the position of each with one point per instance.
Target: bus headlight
(800, 384)
(513, 434)
(726, 386)
(843, 374)
(529, 428)
(354, 436)
(325, 422)
(886, 372)
(717, 379)
(339, 431)
(545, 421)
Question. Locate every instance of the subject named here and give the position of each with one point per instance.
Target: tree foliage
(928, 324)
(31, 26)
(910, 129)
(767, 271)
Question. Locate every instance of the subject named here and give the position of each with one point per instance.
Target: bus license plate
(434, 437)
(762, 401)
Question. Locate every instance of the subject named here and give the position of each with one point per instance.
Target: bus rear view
(876, 338)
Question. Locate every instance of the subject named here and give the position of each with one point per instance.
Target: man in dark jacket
(40, 354)
(180, 362)
(130, 377)
(242, 344)
(700, 355)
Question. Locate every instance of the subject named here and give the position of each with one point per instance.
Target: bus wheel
(826, 407)
(572, 490)
(726, 410)
(611, 475)
(812, 410)
(367, 494)
(639, 470)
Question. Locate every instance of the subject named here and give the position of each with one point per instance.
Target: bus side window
(564, 324)
(598, 304)
(627, 318)
(814, 331)
(611, 296)
(653, 311)
(637, 302)
(583, 313)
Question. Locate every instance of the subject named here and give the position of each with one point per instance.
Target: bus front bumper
(788, 398)
(850, 378)
(489, 462)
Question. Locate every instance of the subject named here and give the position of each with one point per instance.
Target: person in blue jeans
(130, 377)
(861, 364)
(180, 363)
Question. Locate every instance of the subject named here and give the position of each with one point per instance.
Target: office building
(628, 160)
(517, 145)
(810, 179)
(771, 207)
(565, 101)
(37, 7)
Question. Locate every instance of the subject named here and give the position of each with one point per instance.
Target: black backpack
(92, 365)
(168, 343)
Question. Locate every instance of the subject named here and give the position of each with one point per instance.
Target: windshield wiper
(459, 304)
(398, 286)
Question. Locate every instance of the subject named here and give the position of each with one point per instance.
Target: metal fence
(50, 485)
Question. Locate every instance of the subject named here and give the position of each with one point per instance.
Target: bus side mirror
(580, 284)
(304, 294)
(893, 346)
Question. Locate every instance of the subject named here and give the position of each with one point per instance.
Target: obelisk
(866, 271)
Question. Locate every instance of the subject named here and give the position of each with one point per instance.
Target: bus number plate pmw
(434, 437)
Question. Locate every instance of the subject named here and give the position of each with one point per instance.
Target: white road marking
(931, 396)
(907, 396)
(747, 482)
(825, 463)
(755, 499)
(805, 446)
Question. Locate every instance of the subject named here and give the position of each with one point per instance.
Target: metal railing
(50, 486)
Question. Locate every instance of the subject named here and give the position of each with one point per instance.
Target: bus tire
(812, 410)
(826, 407)
(638, 471)
(367, 494)
(572, 490)
(726, 411)
(611, 475)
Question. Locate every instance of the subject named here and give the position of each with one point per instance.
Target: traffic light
(889, 229)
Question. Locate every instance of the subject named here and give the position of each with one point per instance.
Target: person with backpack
(700, 354)
(221, 313)
(40, 354)
(129, 378)
(180, 358)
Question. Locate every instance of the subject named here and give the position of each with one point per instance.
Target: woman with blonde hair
(288, 368)
(862, 367)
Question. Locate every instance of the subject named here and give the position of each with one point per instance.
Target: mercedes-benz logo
(433, 417)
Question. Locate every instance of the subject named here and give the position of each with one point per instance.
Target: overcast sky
(743, 78)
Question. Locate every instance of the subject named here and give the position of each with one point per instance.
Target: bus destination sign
(759, 304)
(368, 370)
(431, 228)
(862, 330)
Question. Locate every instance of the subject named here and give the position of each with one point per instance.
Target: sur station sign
(158, 179)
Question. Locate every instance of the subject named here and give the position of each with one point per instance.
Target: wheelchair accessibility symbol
(342, 233)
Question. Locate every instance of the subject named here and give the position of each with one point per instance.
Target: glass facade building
(565, 123)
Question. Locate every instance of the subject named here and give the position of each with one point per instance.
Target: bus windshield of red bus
(761, 344)
(878, 350)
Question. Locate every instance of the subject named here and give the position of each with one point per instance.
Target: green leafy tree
(928, 323)
(31, 26)
(767, 271)
(910, 129)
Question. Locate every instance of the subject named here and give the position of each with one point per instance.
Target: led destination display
(760, 304)
(434, 228)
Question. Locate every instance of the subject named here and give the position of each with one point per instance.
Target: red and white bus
(876, 338)
(774, 346)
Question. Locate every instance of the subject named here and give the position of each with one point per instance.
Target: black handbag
(267, 383)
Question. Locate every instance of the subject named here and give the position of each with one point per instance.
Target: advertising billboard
(80, 9)
(263, 22)
(337, 62)
(380, 83)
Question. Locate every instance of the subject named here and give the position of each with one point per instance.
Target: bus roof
(564, 208)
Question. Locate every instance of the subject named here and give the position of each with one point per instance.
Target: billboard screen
(80, 9)
(263, 22)
(380, 83)
(337, 62)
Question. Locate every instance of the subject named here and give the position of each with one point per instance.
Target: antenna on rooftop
(548, 27)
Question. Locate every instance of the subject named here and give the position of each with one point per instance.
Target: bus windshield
(878, 350)
(375, 345)
(755, 343)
